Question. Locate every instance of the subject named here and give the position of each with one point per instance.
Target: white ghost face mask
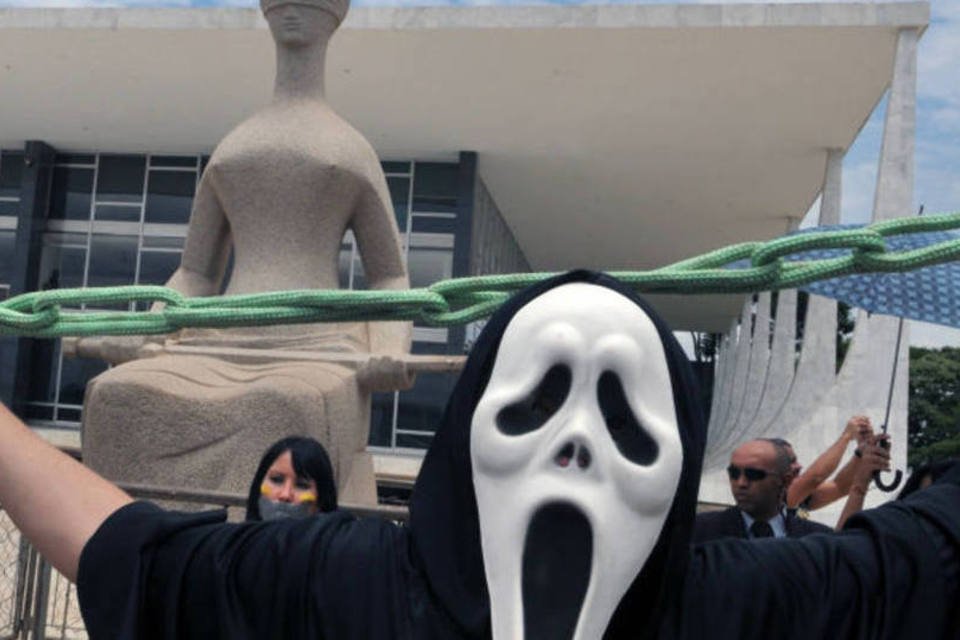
(576, 458)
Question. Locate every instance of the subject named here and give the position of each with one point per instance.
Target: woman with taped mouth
(293, 480)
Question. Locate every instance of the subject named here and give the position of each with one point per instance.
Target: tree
(934, 404)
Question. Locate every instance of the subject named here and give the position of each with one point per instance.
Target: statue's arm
(207, 246)
(375, 229)
(55, 501)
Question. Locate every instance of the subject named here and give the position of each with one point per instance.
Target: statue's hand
(113, 349)
(383, 373)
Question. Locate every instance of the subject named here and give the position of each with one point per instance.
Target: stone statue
(281, 190)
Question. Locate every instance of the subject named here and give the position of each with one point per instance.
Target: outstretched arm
(54, 500)
(379, 242)
(824, 466)
(893, 570)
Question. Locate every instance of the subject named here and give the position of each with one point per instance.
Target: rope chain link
(58, 313)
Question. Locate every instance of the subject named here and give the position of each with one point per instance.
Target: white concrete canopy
(615, 137)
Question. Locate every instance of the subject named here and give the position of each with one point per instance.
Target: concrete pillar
(894, 195)
(818, 401)
(830, 194)
(759, 362)
(865, 380)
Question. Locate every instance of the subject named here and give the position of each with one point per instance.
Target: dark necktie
(761, 529)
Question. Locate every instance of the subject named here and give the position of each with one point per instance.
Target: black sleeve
(892, 573)
(148, 573)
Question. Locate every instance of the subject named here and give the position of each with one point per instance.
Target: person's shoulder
(802, 527)
(714, 524)
(715, 516)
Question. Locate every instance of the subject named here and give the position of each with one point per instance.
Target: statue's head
(298, 23)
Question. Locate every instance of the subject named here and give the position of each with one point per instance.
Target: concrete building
(514, 138)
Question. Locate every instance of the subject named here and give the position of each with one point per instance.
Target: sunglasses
(751, 474)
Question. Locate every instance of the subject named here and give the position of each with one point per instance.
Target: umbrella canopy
(929, 294)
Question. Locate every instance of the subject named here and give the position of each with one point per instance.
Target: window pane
(113, 262)
(120, 178)
(395, 167)
(6, 256)
(411, 441)
(44, 356)
(71, 193)
(400, 195)
(435, 183)
(359, 277)
(68, 415)
(163, 242)
(421, 408)
(75, 158)
(343, 269)
(34, 412)
(430, 224)
(381, 419)
(61, 267)
(74, 374)
(156, 267)
(173, 161)
(8, 208)
(117, 212)
(427, 267)
(170, 196)
(11, 173)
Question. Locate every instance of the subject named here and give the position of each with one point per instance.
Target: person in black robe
(146, 573)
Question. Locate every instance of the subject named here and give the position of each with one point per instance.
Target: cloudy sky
(938, 114)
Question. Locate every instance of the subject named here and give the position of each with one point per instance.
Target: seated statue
(281, 190)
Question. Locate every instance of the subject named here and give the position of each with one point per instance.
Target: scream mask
(576, 458)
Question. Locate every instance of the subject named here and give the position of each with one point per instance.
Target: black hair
(932, 470)
(310, 460)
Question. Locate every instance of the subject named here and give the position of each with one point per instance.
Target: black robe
(147, 573)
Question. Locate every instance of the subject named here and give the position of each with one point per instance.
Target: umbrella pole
(877, 480)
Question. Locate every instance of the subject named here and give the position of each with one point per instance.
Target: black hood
(444, 519)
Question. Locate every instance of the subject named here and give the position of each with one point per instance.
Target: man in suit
(758, 473)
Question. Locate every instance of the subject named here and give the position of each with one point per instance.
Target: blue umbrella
(930, 294)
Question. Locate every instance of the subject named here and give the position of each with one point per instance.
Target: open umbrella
(929, 294)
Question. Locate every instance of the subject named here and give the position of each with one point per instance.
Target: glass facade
(122, 219)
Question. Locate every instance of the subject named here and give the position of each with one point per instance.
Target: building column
(894, 195)
(15, 360)
(865, 379)
(832, 190)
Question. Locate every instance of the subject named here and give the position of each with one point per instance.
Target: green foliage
(934, 404)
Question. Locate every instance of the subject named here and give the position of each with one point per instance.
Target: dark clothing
(892, 573)
(713, 525)
(151, 574)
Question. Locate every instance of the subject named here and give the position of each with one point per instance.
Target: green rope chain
(41, 314)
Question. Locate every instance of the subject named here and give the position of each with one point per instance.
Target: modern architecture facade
(615, 137)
